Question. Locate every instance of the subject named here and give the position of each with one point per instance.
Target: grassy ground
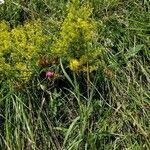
(109, 109)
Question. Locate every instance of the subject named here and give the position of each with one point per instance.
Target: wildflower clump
(77, 36)
(20, 48)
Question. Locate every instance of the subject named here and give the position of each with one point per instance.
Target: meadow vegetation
(75, 74)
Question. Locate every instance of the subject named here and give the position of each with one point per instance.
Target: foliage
(106, 109)
(76, 43)
(20, 48)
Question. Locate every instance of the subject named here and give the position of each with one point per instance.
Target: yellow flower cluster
(76, 25)
(74, 64)
(19, 47)
(82, 65)
(75, 43)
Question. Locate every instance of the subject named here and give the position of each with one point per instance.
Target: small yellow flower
(89, 68)
(74, 64)
(25, 73)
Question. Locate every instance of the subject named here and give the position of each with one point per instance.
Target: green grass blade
(70, 129)
(132, 52)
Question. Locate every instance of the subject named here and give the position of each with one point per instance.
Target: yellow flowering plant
(20, 48)
(76, 42)
(25, 46)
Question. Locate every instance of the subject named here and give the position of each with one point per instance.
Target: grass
(106, 110)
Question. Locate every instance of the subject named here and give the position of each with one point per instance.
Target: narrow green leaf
(132, 52)
(70, 129)
(65, 73)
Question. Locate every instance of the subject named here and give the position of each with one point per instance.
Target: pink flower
(49, 74)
